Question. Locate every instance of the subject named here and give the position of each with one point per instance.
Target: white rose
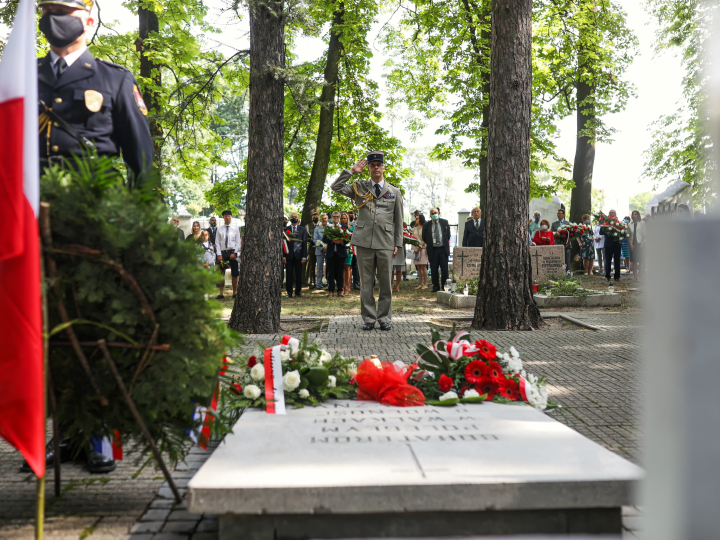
(332, 381)
(325, 357)
(352, 370)
(257, 372)
(449, 395)
(284, 355)
(291, 380)
(470, 393)
(304, 393)
(514, 353)
(251, 391)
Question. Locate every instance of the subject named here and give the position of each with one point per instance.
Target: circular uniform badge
(93, 100)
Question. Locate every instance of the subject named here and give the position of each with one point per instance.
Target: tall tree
(150, 26)
(505, 300)
(681, 146)
(321, 162)
(257, 305)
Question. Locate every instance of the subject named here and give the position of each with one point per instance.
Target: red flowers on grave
(495, 371)
(476, 371)
(252, 361)
(487, 349)
(510, 389)
(487, 386)
(445, 383)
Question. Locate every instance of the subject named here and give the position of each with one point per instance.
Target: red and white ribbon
(456, 347)
(523, 388)
(274, 393)
(285, 243)
(291, 342)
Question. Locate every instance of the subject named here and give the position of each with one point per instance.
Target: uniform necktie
(477, 224)
(294, 230)
(61, 66)
(227, 233)
(438, 238)
(377, 190)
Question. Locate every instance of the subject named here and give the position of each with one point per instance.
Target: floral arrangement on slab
(571, 230)
(410, 239)
(458, 371)
(310, 376)
(613, 227)
(336, 232)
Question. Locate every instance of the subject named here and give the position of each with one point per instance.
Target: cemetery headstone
(546, 261)
(352, 469)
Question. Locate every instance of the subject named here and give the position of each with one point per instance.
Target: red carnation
(509, 389)
(487, 349)
(488, 386)
(475, 371)
(445, 383)
(252, 361)
(494, 371)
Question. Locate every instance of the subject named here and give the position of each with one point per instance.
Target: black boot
(98, 463)
(65, 454)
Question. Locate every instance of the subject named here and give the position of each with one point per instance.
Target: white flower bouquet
(311, 375)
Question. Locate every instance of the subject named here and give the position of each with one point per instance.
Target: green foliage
(92, 208)
(639, 201)
(681, 147)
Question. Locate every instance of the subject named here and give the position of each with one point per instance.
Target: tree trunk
(318, 176)
(149, 70)
(258, 302)
(581, 196)
(505, 299)
(485, 121)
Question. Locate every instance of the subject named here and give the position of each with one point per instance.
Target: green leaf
(318, 376)
(63, 326)
(445, 403)
(478, 399)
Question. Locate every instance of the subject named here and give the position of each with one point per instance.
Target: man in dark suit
(554, 227)
(296, 255)
(436, 236)
(474, 230)
(613, 251)
(212, 229)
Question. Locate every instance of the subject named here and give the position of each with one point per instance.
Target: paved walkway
(594, 375)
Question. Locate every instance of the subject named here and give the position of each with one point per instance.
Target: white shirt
(640, 233)
(227, 238)
(596, 234)
(381, 183)
(69, 59)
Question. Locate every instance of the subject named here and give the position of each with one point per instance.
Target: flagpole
(40, 497)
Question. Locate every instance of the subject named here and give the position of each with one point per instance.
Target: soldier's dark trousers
(335, 273)
(439, 260)
(612, 251)
(293, 274)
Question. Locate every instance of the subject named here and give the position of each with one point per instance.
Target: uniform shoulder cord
(368, 197)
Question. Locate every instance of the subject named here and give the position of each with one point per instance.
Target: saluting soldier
(85, 101)
(377, 237)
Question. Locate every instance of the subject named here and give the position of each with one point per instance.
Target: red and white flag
(22, 407)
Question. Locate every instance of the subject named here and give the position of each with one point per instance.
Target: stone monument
(354, 469)
(546, 261)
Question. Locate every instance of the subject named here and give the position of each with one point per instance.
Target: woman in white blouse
(637, 240)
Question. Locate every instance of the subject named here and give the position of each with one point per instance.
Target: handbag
(416, 255)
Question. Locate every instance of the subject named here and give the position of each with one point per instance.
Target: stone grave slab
(361, 469)
(546, 261)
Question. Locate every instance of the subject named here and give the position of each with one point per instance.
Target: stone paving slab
(593, 375)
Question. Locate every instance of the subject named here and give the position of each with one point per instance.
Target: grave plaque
(546, 261)
(360, 469)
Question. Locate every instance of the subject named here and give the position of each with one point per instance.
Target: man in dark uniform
(84, 100)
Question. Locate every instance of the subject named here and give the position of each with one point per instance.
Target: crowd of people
(596, 244)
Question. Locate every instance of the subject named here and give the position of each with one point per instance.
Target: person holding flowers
(587, 246)
(613, 244)
(336, 254)
(544, 237)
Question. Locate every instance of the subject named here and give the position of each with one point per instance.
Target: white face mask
(543, 227)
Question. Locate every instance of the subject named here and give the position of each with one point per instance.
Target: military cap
(227, 213)
(77, 4)
(375, 155)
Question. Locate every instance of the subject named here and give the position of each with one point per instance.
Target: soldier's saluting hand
(377, 236)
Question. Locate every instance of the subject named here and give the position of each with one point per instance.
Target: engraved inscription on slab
(546, 261)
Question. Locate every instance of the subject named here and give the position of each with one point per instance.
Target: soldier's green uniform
(378, 230)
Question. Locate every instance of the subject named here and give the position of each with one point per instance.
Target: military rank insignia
(93, 100)
(139, 100)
